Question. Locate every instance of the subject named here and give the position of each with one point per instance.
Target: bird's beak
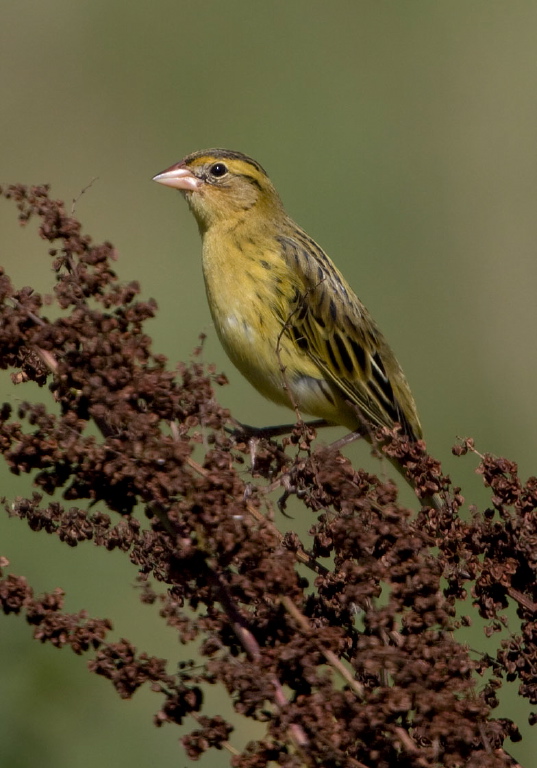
(179, 177)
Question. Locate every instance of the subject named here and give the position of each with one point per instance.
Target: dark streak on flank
(312, 246)
(378, 360)
(359, 353)
(302, 343)
(332, 356)
(387, 391)
(265, 264)
(387, 402)
(343, 353)
(326, 392)
(289, 248)
(298, 338)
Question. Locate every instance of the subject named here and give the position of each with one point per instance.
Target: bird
(284, 314)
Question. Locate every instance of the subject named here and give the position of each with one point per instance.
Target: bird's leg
(248, 432)
(252, 435)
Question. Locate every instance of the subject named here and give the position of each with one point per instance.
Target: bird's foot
(247, 432)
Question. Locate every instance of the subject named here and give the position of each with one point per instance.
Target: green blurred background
(401, 135)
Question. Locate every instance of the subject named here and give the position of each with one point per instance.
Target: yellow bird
(285, 315)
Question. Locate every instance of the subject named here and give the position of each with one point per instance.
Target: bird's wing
(330, 324)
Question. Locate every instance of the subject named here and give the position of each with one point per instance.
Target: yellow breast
(249, 296)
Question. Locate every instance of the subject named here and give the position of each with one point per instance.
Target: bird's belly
(277, 369)
(254, 354)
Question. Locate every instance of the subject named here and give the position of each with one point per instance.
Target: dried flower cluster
(347, 650)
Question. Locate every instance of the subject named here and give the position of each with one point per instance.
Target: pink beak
(179, 177)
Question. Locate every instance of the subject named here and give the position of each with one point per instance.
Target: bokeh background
(402, 136)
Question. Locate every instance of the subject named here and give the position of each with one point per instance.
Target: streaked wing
(331, 325)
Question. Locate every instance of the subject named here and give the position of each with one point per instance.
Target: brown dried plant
(345, 649)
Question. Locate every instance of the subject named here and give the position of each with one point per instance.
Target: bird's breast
(247, 295)
(251, 294)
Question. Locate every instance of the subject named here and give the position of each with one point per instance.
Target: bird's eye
(218, 170)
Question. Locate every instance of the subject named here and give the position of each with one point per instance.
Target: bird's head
(222, 186)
